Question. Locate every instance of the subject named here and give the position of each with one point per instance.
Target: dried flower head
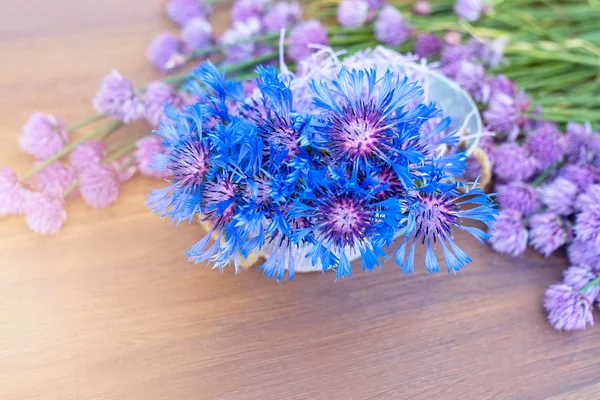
(547, 232)
(579, 276)
(514, 163)
(518, 196)
(509, 235)
(182, 11)
(99, 185)
(568, 310)
(43, 135)
(117, 99)
(12, 192)
(559, 196)
(45, 212)
(305, 34)
(353, 13)
(546, 144)
(282, 15)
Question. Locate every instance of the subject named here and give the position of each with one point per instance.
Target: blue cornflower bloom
(345, 178)
(431, 215)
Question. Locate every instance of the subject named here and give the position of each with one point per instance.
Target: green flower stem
(83, 123)
(71, 187)
(591, 283)
(109, 128)
(547, 172)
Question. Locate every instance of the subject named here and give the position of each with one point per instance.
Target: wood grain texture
(110, 309)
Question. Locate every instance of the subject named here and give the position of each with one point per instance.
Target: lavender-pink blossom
(117, 99)
(238, 48)
(87, 153)
(568, 310)
(489, 52)
(156, 97)
(518, 196)
(509, 235)
(578, 276)
(581, 176)
(583, 144)
(43, 135)
(282, 15)
(546, 144)
(428, 45)
(559, 196)
(390, 27)
(501, 84)
(196, 34)
(453, 54)
(582, 252)
(146, 148)
(182, 11)
(166, 52)
(471, 77)
(45, 212)
(12, 192)
(471, 10)
(310, 32)
(244, 10)
(507, 114)
(547, 232)
(55, 177)
(422, 7)
(99, 185)
(352, 13)
(587, 223)
(514, 163)
(452, 38)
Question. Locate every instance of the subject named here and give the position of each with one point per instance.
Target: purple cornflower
(166, 52)
(309, 32)
(43, 135)
(282, 15)
(390, 26)
(547, 232)
(99, 185)
(587, 223)
(428, 45)
(188, 163)
(583, 144)
(568, 310)
(546, 144)
(117, 99)
(55, 177)
(581, 252)
(514, 163)
(344, 219)
(238, 47)
(244, 10)
(12, 193)
(578, 276)
(518, 196)
(559, 196)
(422, 7)
(217, 201)
(196, 34)
(581, 176)
(471, 10)
(507, 114)
(88, 153)
(182, 11)
(45, 212)
(352, 13)
(501, 84)
(509, 235)
(146, 149)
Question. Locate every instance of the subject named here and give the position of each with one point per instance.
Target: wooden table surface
(111, 309)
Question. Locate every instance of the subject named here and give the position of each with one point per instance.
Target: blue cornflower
(432, 214)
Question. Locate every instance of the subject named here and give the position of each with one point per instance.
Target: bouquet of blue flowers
(351, 174)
